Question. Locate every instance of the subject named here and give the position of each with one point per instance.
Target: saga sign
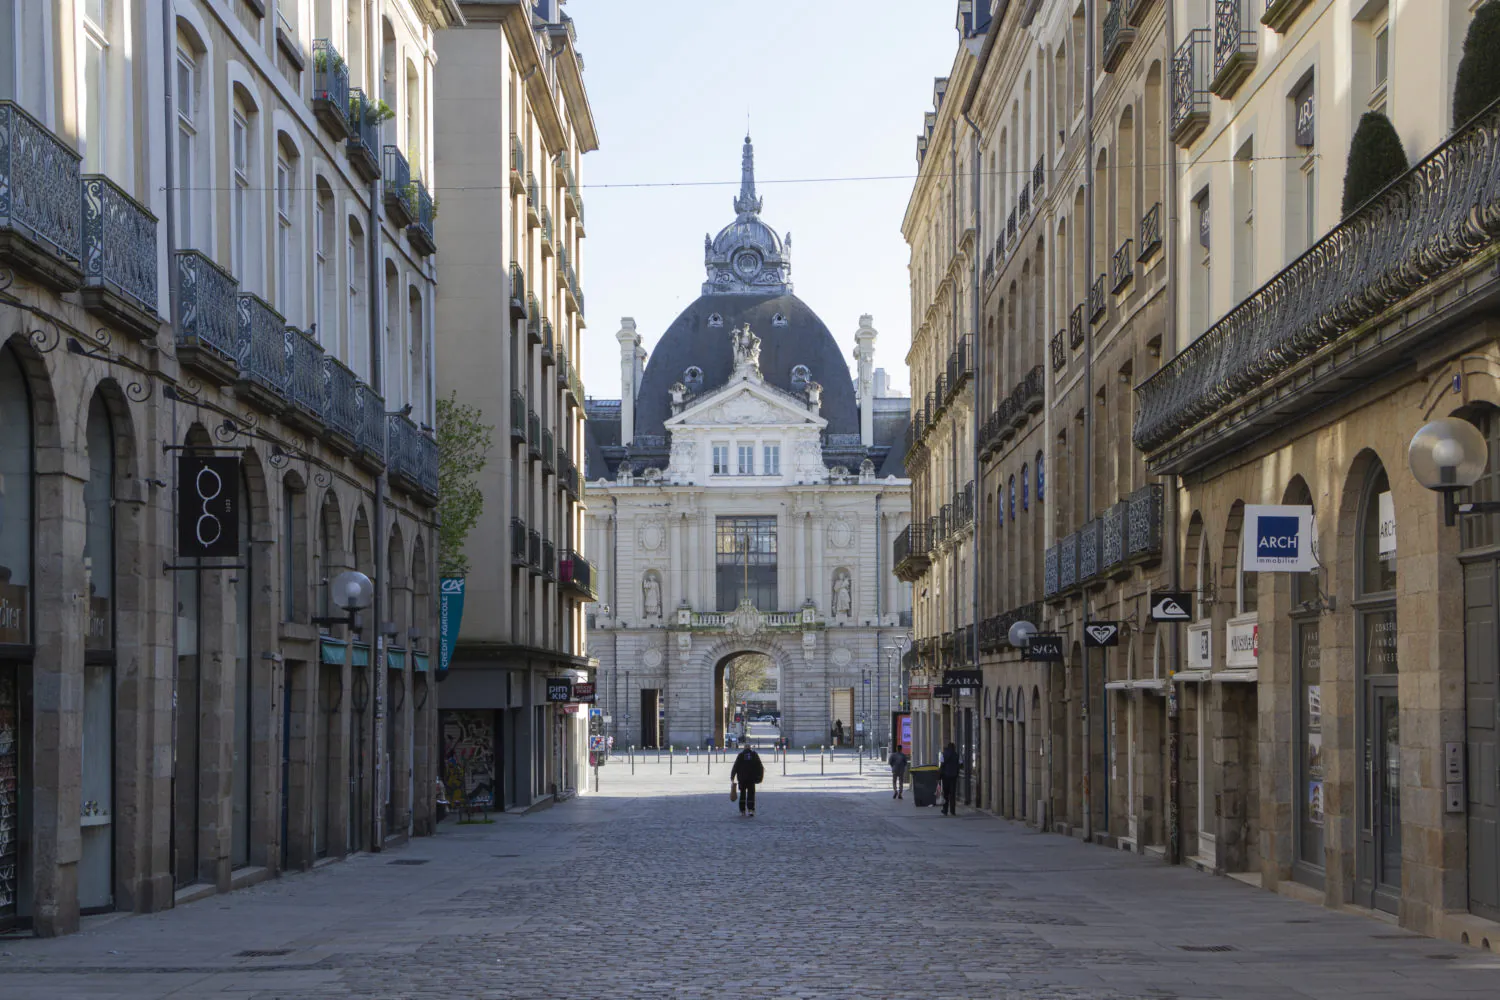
(1278, 539)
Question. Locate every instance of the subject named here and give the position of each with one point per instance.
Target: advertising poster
(903, 732)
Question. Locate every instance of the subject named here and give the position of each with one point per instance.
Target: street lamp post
(1446, 456)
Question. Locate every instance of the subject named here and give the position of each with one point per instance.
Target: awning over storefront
(332, 651)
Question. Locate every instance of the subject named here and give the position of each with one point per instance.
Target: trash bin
(924, 785)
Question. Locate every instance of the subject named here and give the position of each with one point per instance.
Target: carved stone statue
(651, 591)
(679, 394)
(814, 392)
(843, 603)
(746, 348)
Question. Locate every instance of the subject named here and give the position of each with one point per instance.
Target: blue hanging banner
(450, 617)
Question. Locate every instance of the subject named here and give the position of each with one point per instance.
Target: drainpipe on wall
(1088, 401)
(169, 217)
(1169, 494)
(377, 648)
(974, 383)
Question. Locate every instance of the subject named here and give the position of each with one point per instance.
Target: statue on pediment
(746, 349)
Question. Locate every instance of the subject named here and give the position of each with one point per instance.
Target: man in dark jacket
(948, 769)
(898, 761)
(748, 771)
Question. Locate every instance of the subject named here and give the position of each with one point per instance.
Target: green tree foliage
(1376, 158)
(1478, 84)
(464, 443)
(744, 677)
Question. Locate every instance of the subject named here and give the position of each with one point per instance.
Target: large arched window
(96, 793)
(1012, 504)
(99, 536)
(244, 191)
(15, 504)
(1025, 489)
(1378, 861)
(1307, 713)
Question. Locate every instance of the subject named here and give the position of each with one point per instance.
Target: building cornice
(570, 75)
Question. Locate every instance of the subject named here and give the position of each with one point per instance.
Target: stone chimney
(631, 357)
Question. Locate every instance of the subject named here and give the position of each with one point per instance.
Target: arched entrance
(748, 683)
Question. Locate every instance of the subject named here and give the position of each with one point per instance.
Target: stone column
(822, 589)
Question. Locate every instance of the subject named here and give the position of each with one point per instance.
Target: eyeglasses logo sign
(208, 524)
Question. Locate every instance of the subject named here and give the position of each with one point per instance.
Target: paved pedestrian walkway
(655, 888)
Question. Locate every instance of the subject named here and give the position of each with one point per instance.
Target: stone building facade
(208, 284)
(512, 320)
(743, 498)
(1187, 324)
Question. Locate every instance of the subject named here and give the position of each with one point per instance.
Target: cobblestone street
(656, 888)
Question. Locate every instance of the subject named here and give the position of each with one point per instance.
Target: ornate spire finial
(747, 203)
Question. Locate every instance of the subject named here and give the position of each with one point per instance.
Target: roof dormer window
(800, 376)
(778, 320)
(715, 320)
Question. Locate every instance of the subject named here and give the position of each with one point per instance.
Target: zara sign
(1278, 539)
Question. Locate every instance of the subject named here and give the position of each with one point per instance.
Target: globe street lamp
(1448, 455)
(352, 592)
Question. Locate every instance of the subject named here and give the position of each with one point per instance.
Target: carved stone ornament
(651, 658)
(841, 657)
(746, 347)
(652, 535)
(843, 601)
(840, 533)
(809, 645)
(746, 620)
(743, 409)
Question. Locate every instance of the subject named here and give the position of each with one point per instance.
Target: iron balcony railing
(517, 542)
(399, 202)
(1143, 530)
(1089, 540)
(533, 319)
(562, 366)
(1010, 228)
(330, 92)
(1235, 36)
(371, 435)
(41, 192)
(1435, 217)
(575, 386)
(534, 549)
(576, 573)
(547, 346)
(1067, 571)
(517, 292)
(570, 478)
(546, 216)
(1039, 176)
(1075, 328)
(1190, 87)
(1059, 351)
(547, 449)
(413, 454)
(1024, 202)
(119, 243)
(940, 389)
(1114, 529)
(1098, 304)
(260, 343)
(574, 199)
(1051, 577)
(534, 434)
(304, 365)
(1122, 268)
(533, 196)
(423, 229)
(517, 416)
(989, 266)
(364, 132)
(341, 408)
(549, 560)
(1150, 232)
(963, 506)
(207, 300)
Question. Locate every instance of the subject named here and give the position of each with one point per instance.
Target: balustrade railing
(534, 434)
(517, 164)
(207, 301)
(1123, 267)
(423, 229)
(1039, 176)
(1089, 539)
(1114, 523)
(1098, 304)
(1010, 228)
(41, 191)
(304, 365)
(1436, 216)
(1075, 328)
(364, 132)
(1190, 66)
(1059, 352)
(371, 435)
(1235, 36)
(1067, 565)
(549, 559)
(1143, 537)
(534, 548)
(399, 203)
(1023, 203)
(576, 572)
(1050, 566)
(341, 405)
(517, 542)
(119, 243)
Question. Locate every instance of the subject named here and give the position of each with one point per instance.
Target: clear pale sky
(834, 88)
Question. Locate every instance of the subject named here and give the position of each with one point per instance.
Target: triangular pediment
(746, 402)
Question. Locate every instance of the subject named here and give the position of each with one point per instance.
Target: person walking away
(948, 769)
(748, 772)
(898, 761)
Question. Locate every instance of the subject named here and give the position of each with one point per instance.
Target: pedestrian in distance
(898, 761)
(948, 772)
(747, 772)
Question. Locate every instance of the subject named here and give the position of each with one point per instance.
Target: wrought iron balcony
(1135, 10)
(533, 434)
(1090, 538)
(364, 135)
(548, 450)
(1067, 563)
(517, 542)
(1030, 392)
(260, 348)
(547, 352)
(208, 330)
(533, 200)
(533, 320)
(1427, 224)
(1059, 352)
(371, 436)
(562, 366)
(1051, 581)
(940, 390)
(575, 386)
(910, 552)
(330, 90)
(1235, 37)
(517, 292)
(119, 256)
(567, 474)
(963, 507)
(546, 217)
(400, 203)
(549, 560)
(1075, 328)
(304, 388)
(1143, 538)
(572, 198)
(413, 457)
(1098, 304)
(341, 406)
(577, 574)
(1118, 34)
(1122, 268)
(41, 201)
(422, 232)
(534, 550)
(1190, 87)
(964, 370)
(517, 165)
(1115, 528)
(517, 417)
(1023, 203)
(1150, 233)
(1039, 177)
(989, 267)
(1010, 228)
(1280, 14)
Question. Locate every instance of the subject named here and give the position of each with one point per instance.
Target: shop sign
(1101, 634)
(1278, 538)
(1387, 511)
(1242, 642)
(559, 689)
(963, 678)
(915, 692)
(903, 728)
(1171, 606)
(450, 619)
(1044, 647)
(942, 691)
(570, 709)
(583, 692)
(208, 523)
(1200, 646)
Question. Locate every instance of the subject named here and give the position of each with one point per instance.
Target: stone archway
(717, 659)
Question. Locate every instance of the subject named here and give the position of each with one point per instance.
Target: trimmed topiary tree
(1376, 158)
(1478, 83)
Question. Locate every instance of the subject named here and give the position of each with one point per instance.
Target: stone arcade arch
(698, 715)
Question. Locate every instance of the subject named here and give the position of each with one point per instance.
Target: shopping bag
(733, 792)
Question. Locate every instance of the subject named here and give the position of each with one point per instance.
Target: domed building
(744, 492)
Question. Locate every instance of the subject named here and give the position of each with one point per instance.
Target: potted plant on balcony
(1376, 157)
(1478, 83)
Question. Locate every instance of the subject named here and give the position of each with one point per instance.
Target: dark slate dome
(791, 335)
